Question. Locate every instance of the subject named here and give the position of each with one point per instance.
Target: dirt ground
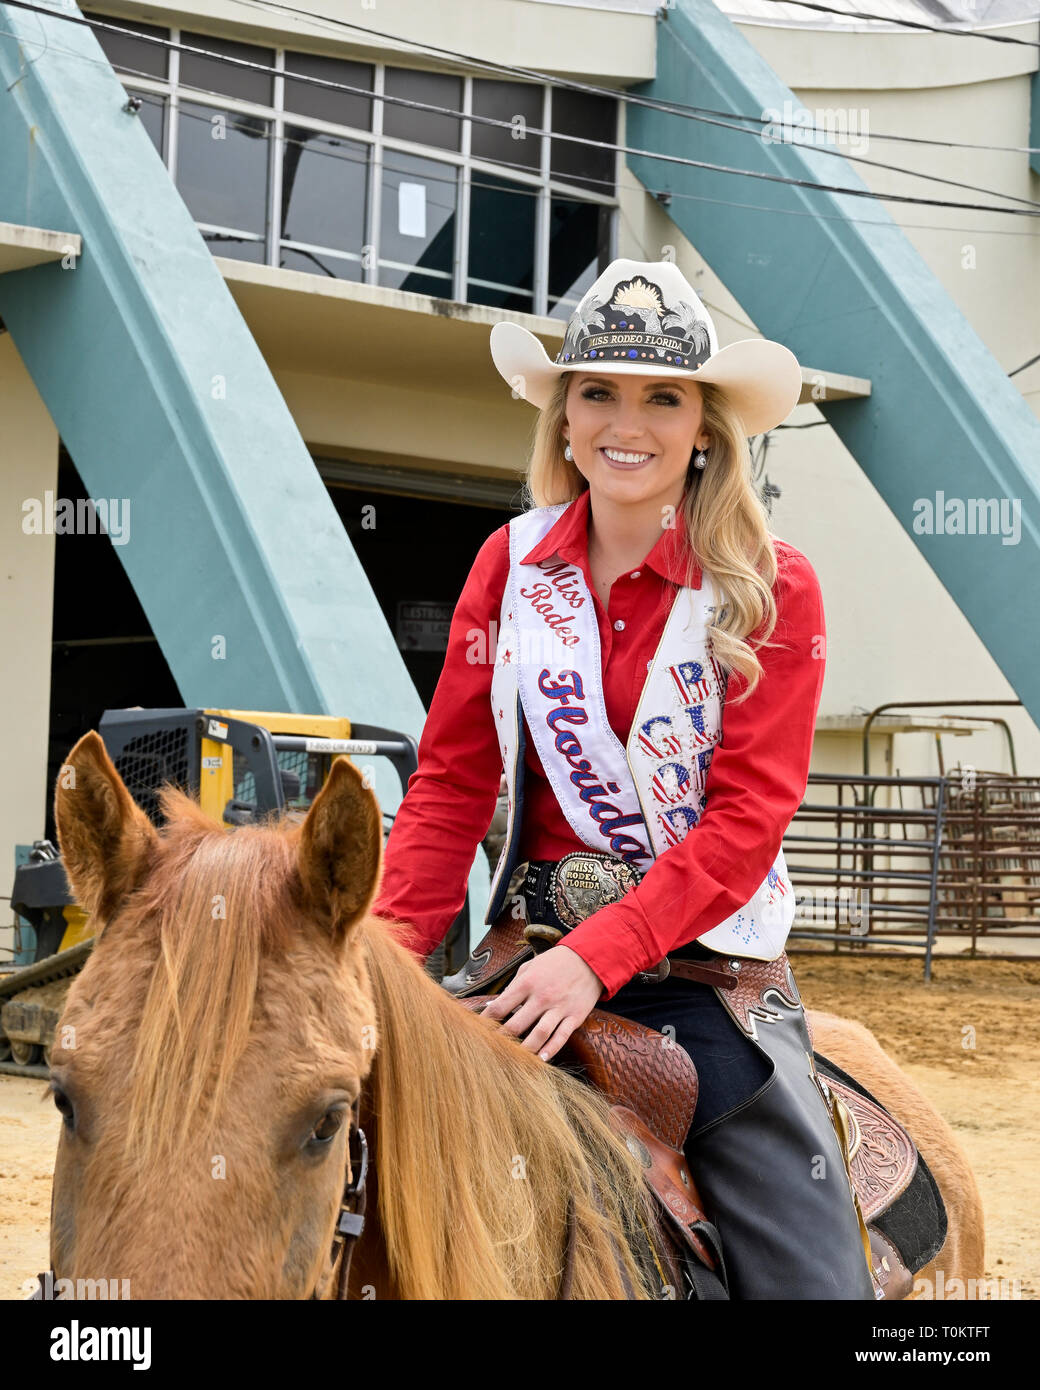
(969, 1039)
(29, 1126)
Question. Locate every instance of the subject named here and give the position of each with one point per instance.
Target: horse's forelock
(218, 904)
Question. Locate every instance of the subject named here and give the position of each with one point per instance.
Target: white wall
(28, 468)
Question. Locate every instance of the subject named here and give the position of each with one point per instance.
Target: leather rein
(351, 1220)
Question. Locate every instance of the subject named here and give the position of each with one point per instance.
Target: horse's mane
(478, 1143)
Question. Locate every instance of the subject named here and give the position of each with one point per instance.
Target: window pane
(505, 101)
(137, 55)
(324, 189)
(320, 263)
(514, 300)
(501, 242)
(415, 282)
(579, 247)
(211, 75)
(323, 103)
(222, 167)
(152, 116)
(417, 221)
(424, 127)
(593, 118)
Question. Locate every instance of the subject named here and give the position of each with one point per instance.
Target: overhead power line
(1031, 210)
(334, 24)
(1025, 365)
(702, 113)
(692, 113)
(532, 189)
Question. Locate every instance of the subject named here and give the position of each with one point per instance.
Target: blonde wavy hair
(721, 514)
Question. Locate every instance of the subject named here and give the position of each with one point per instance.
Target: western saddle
(650, 1082)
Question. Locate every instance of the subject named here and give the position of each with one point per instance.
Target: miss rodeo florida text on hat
(646, 317)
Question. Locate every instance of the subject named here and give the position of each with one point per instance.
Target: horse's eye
(328, 1126)
(63, 1105)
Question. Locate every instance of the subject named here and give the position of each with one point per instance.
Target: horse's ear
(340, 852)
(106, 840)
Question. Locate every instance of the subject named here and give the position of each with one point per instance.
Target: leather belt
(561, 893)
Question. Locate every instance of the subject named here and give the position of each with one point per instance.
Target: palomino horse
(238, 1001)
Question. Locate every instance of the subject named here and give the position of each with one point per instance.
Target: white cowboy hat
(645, 317)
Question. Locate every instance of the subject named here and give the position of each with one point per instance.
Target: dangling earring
(700, 460)
(568, 454)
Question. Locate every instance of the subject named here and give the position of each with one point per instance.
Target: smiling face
(633, 436)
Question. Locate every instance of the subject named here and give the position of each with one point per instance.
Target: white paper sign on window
(411, 209)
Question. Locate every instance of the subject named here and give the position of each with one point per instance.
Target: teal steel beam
(160, 394)
(834, 277)
(162, 397)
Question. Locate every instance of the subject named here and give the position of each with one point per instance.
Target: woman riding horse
(598, 639)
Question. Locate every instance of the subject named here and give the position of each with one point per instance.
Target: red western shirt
(755, 782)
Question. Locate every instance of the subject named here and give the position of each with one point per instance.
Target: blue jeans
(729, 1066)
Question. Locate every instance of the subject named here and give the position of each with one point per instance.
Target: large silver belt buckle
(581, 884)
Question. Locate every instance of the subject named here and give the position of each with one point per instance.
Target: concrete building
(371, 223)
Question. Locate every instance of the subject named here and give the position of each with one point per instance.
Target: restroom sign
(423, 626)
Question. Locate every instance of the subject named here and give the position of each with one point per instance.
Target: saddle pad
(898, 1195)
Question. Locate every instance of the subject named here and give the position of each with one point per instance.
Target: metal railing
(880, 863)
(990, 874)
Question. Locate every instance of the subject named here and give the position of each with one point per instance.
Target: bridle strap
(351, 1220)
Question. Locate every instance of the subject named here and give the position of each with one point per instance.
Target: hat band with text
(654, 347)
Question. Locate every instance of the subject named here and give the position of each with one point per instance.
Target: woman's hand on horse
(547, 999)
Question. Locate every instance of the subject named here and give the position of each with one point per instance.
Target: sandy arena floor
(989, 1093)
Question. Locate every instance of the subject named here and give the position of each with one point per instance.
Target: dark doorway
(105, 655)
(416, 557)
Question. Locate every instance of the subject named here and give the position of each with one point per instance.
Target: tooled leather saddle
(651, 1084)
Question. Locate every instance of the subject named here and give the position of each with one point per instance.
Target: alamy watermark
(830, 125)
(83, 1342)
(969, 516)
(841, 907)
(541, 647)
(104, 1289)
(82, 516)
(992, 1289)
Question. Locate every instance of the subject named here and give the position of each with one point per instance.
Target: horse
(240, 1008)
